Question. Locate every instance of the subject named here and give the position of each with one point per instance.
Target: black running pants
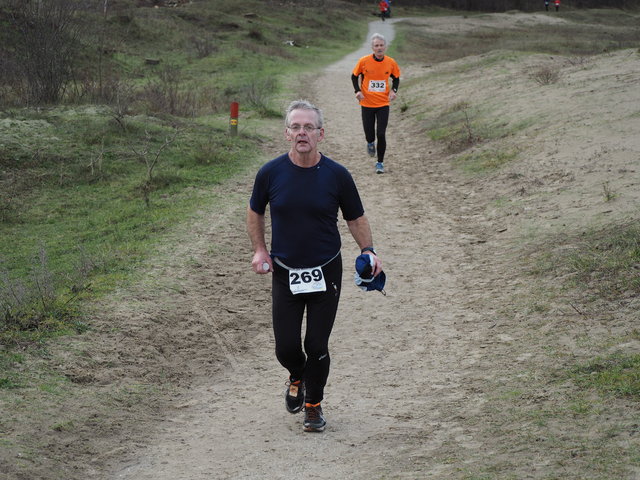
(374, 122)
(312, 363)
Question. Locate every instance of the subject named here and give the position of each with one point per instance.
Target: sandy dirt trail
(403, 366)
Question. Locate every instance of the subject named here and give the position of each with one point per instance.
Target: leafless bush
(42, 297)
(8, 197)
(465, 136)
(203, 46)
(46, 44)
(469, 135)
(577, 61)
(122, 105)
(10, 78)
(214, 99)
(546, 75)
(257, 94)
(95, 164)
(25, 304)
(109, 90)
(119, 95)
(13, 299)
(461, 105)
(165, 95)
(256, 34)
(151, 159)
(608, 192)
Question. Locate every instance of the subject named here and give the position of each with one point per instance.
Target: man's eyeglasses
(307, 128)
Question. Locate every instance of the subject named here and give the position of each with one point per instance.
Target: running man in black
(304, 190)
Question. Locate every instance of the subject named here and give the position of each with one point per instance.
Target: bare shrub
(465, 136)
(203, 46)
(269, 49)
(151, 159)
(33, 302)
(608, 192)
(458, 106)
(577, 61)
(164, 95)
(13, 300)
(46, 43)
(470, 137)
(8, 197)
(121, 105)
(546, 75)
(95, 164)
(256, 34)
(214, 99)
(257, 94)
(110, 90)
(10, 79)
(42, 299)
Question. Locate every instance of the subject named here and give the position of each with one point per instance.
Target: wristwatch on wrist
(368, 249)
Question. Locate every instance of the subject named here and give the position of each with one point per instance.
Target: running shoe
(313, 419)
(379, 167)
(371, 149)
(294, 396)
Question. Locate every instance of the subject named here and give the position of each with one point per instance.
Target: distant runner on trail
(305, 190)
(384, 9)
(370, 79)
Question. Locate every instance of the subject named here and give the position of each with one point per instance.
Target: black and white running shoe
(294, 396)
(314, 420)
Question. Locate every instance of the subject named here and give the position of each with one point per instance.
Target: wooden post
(233, 121)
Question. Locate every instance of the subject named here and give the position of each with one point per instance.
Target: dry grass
(584, 34)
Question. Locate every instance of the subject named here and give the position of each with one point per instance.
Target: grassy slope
(75, 183)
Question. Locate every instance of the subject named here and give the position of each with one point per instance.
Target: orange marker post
(233, 121)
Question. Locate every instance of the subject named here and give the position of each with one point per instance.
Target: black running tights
(312, 364)
(374, 122)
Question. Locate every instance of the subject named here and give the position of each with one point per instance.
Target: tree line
(506, 5)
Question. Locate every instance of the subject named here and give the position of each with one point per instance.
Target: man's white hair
(378, 36)
(303, 105)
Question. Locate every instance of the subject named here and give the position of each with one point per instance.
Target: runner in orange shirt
(370, 79)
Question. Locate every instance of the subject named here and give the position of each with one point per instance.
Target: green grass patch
(85, 214)
(483, 162)
(461, 126)
(608, 260)
(82, 213)
(455, 126)
(601, 263)
(617, 374)
(8, 363)
(9, 382)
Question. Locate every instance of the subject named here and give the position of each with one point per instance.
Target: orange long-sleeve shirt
(375, 79)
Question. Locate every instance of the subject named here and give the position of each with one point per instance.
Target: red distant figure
(384, 8)
(557, 4)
